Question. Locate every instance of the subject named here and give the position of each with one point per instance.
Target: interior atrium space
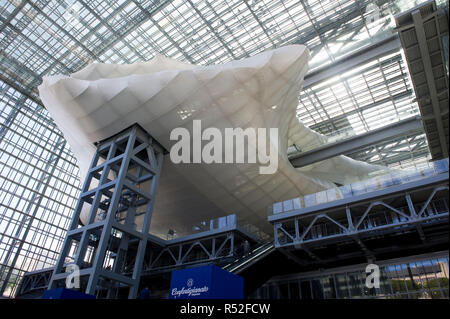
(293, 149)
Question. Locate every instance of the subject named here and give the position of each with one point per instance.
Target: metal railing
(245, 261)
(360, 188)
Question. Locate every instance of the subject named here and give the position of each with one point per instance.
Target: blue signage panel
(205, 282)
(63, 293)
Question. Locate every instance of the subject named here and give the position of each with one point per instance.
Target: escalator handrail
(252, 256)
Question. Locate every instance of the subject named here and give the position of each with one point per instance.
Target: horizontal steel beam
(355, 143)
(374, 51)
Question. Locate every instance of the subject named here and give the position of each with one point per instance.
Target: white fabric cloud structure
(162, 94)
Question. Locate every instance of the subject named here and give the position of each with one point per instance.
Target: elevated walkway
(34, 283)
(389, 215)
(217, 245)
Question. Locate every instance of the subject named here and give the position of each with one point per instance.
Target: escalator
(250, 267)
(261, 264)
(239, 265)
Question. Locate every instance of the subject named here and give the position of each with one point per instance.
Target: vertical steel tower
(108, 234)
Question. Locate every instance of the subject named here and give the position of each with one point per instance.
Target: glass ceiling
(52, 37)
(69, 34)
(372, 95)
(39, 37)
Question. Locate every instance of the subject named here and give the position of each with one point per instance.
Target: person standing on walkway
(246, 248)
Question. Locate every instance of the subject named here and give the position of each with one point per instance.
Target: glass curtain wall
(39, 187)
(422, 279)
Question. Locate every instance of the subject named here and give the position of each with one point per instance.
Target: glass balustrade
(361, 187)
(228, 221)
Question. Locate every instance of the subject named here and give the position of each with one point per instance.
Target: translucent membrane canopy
(163, 94)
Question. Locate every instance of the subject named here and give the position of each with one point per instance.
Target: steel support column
(115, 205)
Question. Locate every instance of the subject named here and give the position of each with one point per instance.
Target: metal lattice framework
(423, 33)
(34, 283)
(115, 194)
(217, 248)
(367, 217)
(40, 37)
(393, 153)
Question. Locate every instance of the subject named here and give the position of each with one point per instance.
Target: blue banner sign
(63, 293)
(205, 282)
